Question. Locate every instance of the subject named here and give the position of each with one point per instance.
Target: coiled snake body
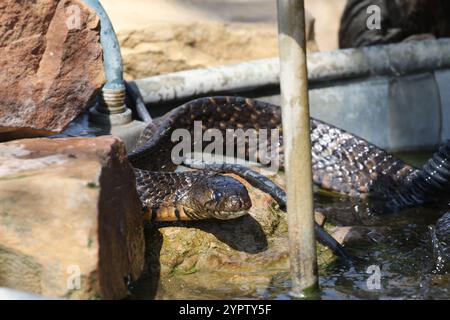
(342, 163)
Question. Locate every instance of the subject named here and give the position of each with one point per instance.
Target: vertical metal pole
(297, 146)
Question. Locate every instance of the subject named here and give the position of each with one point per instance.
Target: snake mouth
(229, 215)
(228, 208)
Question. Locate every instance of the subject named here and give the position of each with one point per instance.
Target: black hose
(138, 101)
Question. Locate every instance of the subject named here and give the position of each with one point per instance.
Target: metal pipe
(297, 146)
(113, 92)
(185, 84)
(386, 60)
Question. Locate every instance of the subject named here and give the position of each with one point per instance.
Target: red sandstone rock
(69, 206)
(50, 70)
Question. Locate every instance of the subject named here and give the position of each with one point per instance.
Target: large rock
(169, 47)
(69, 206)
(51, 64)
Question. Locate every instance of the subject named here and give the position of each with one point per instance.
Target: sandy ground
(133, 14)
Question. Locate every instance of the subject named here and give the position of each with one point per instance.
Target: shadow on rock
(147, 286)
(243, 234)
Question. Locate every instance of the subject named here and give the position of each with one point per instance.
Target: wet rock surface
(69, 207)
(51, 65)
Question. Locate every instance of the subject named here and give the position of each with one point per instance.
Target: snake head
(220, 197)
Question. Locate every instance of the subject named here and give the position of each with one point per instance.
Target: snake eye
(217, 195)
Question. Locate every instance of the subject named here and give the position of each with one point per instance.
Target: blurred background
(161, 36)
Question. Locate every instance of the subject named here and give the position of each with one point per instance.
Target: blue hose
(111, 49)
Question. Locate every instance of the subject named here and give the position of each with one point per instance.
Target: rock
(320, 218)
(347, 235)
(51, 66)
(169, 47)
(328, 17)
(69, 207)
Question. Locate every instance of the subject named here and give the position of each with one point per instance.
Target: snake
(342, 163)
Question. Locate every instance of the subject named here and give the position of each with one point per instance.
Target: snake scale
(341, 162)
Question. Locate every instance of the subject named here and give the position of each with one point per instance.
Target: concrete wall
(396, 113)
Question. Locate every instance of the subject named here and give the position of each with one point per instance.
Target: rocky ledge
(70, 218)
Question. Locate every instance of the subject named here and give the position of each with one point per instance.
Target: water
(403, 255)
(396, 260)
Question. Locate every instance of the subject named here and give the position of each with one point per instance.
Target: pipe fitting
(112, 101)
(110, 119)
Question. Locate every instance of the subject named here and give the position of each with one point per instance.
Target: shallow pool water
(403, 255)
(396, 264)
